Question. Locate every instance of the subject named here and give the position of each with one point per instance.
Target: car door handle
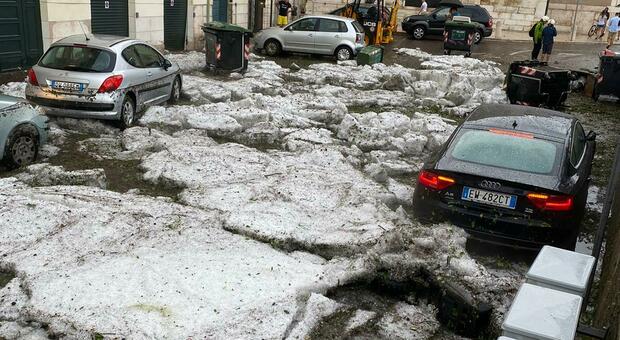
(310, 34)
(337, 36)
(148, 74)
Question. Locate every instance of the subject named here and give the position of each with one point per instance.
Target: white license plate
(489, 197)
(67, 86)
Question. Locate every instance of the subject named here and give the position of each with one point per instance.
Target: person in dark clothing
(536, 34)
(548, 35)
(283, 8)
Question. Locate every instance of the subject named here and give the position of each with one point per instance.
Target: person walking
(612, 27)
(283, 8)
(548, 35)
(536, 34)
(423, 7)
(601, 23)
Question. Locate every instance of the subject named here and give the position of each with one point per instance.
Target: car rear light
(358, 38)
(32, 78)
(111, 84)
(551, 202)
(434, 181)
(490, 22)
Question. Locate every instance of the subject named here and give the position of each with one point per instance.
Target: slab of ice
(138, 267)
(409, 322)
(317, 308)
(44, 174)
(15, 89)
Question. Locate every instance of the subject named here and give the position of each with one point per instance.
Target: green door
(175, 21)
(20, 34)
(109, 17)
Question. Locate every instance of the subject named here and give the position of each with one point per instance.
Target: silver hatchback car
(316, 34)
(102, 77)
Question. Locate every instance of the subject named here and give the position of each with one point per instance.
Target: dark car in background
(419, 26)
(511, 174)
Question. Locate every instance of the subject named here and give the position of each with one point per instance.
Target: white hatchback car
(316, 34)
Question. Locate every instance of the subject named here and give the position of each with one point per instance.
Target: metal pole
(600, 232)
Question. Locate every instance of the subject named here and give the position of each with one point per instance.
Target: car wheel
(175, 93)
(128, 113)
(418, 32)
(273, 48)
(478, 36)
(343, 53)
(22, 147)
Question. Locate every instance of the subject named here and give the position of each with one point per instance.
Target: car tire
(478, 36)
(175, 92)
(343, 53)
(128, 113)
(273, 48)
(418, 32)
(22, 147)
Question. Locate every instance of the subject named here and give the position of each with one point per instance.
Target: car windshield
(506, 149)
(78, 58)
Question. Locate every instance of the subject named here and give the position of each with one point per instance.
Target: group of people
(543, 33)
(605, 20)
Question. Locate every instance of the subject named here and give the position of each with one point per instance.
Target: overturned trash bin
(608, 77)
(370, 55)
(534, 84)
(227, 47)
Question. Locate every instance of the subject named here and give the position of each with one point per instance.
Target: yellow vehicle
(379, 27)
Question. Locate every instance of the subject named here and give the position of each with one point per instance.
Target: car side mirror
(434, 15)
(591, 137)
(166, 64)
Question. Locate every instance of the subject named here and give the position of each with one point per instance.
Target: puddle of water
(121, 175)
(5, 278)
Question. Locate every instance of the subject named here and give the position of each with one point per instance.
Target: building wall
(512, 18)
(60, 18)
(200, 12)
(149, 21)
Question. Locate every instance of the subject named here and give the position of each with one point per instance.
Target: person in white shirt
(423, 7)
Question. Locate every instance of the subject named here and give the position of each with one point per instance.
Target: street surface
(273, 204)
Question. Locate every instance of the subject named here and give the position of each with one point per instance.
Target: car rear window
(506, 149)
(79, 58)
(358, 27)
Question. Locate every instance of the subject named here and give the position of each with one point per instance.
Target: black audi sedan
(512, 175)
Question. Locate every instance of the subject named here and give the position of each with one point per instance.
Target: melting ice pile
(287, 191)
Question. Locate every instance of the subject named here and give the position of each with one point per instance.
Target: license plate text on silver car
(488, 197)
(67, 86)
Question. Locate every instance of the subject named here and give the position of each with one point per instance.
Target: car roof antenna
(514, 124)
(83, 31)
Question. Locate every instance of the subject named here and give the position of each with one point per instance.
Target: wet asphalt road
(573, 56)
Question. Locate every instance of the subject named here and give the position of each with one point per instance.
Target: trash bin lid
(223, 26)
(562, 268)
(543, 313)
(459, 24)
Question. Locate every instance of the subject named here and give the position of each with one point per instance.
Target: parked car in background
(511, 174)
(419, 26)
(102, 77)
(315, 34)
(23, 130)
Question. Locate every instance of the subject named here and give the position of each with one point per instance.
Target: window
(578, 145)
(304, 25)
(358, 27)
(507, 151)
(443, 12)
(131, 57)
(466, 12)
(79, 58)
(142, 56)
(149, 57)
(327, 25)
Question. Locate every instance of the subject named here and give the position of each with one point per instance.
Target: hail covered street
(263, 205)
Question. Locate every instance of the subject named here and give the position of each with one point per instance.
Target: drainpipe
(574, 28)
(271, 14)
(208, 18)
(547, 7)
